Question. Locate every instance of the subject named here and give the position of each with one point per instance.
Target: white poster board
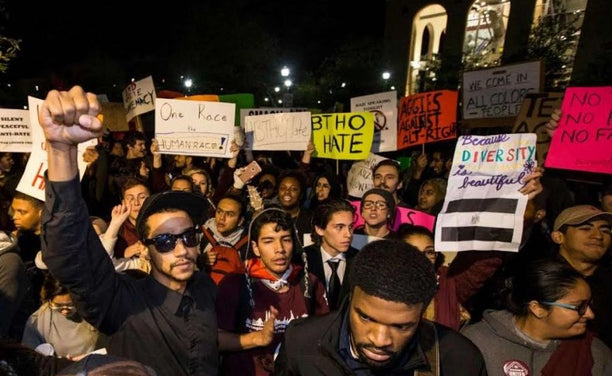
(359, 178)
(384, 108)
(483, 209)
(32, 181)
(284, 131)
(194, 127)
(139, 97)
(15, 134)
(244, 112)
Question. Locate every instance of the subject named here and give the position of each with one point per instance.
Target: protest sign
(427, 117)
(139, 97)
(534, 115)
(483, 209)
(384, 108)
(497, 93)
(359, 178)
(583, 140)
(284, 131)
(32, 180)
(15, 131)
(194, 127)
(244, 112)
(402, 215)
(343, 135)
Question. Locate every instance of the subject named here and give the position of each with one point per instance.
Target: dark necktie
(333, 290)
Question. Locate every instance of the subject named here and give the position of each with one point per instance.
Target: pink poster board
(402, 215)
(583, 140)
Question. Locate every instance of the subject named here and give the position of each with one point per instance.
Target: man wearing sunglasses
(583, 235)
(166, 320)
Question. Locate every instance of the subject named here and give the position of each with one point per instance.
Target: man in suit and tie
(330, 257)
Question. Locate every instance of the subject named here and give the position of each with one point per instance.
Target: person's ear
(557, 237)
(540, 215)
(319, 230)
(241, 221)
(255, 248)
(536, 309)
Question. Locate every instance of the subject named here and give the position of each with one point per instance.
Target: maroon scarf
(572, 358)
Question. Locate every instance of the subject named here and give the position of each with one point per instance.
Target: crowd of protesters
(98, 266)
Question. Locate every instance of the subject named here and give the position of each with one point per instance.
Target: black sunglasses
(166, 242)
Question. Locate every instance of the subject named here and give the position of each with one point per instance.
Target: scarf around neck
(257, 270)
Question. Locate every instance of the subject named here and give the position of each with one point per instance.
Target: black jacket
(315, 266)
(310, 348)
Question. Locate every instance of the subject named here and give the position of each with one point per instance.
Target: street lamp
(288, 83)
(285, 72)
(386, 75)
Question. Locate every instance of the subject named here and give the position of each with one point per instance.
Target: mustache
(190, 259)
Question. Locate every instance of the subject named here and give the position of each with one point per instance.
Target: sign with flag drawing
(483, 209)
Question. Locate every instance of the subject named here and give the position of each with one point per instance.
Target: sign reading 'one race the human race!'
(483, 208)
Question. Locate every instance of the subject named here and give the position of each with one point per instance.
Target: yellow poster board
(343, 135)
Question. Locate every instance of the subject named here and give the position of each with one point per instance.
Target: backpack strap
(429, 337)
(209, 236)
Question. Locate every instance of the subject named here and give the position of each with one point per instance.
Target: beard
(374, 365)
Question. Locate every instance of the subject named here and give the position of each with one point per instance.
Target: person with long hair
(543, 331)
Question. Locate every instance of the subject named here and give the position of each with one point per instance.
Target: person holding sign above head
(165, 320)
(378, 212)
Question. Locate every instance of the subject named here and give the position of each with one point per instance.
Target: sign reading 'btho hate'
(427, 117)
(583, 140)
(499, 92)
(483, 209)
(343, 135)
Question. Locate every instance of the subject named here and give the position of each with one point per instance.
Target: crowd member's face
(337, 235)
(181, 185)
(289, 192)
(322, 189)
(180, 161)
(6, 162)
(268, 192)
(428, 197)
(587, 242)
(227, 216)
(423, 243)
(200, 181)
(174, 268)
(274, 248)
(117, 149)
(26, 216)
(63, 304)
(381, 329)
(374, 210)
(138, 150)
(561, 322)
(387, 178)
(437, 164)
(135, 196)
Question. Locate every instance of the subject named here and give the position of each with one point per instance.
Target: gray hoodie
(509, 352)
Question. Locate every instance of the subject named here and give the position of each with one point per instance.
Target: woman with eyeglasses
(378, 212)
(58, 324)
(544, 329)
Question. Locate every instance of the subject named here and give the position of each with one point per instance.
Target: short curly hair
(395, 271)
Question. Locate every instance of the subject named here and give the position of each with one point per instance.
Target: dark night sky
(58, 37)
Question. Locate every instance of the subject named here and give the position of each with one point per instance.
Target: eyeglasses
(62, 307)
(378, 204)
(167, 242)
(581, 309)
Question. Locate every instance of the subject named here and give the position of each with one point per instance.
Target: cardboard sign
(427, 117)
(285, 131)
(583, 140)
(402, 215)
(499, 92)
(139, 97)
(359, 178)
(15, 131)
(483, 209)
(194, 127)
(535, 113)
(343, 135)
(244, 112)
(384, 108)
(32, 181)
